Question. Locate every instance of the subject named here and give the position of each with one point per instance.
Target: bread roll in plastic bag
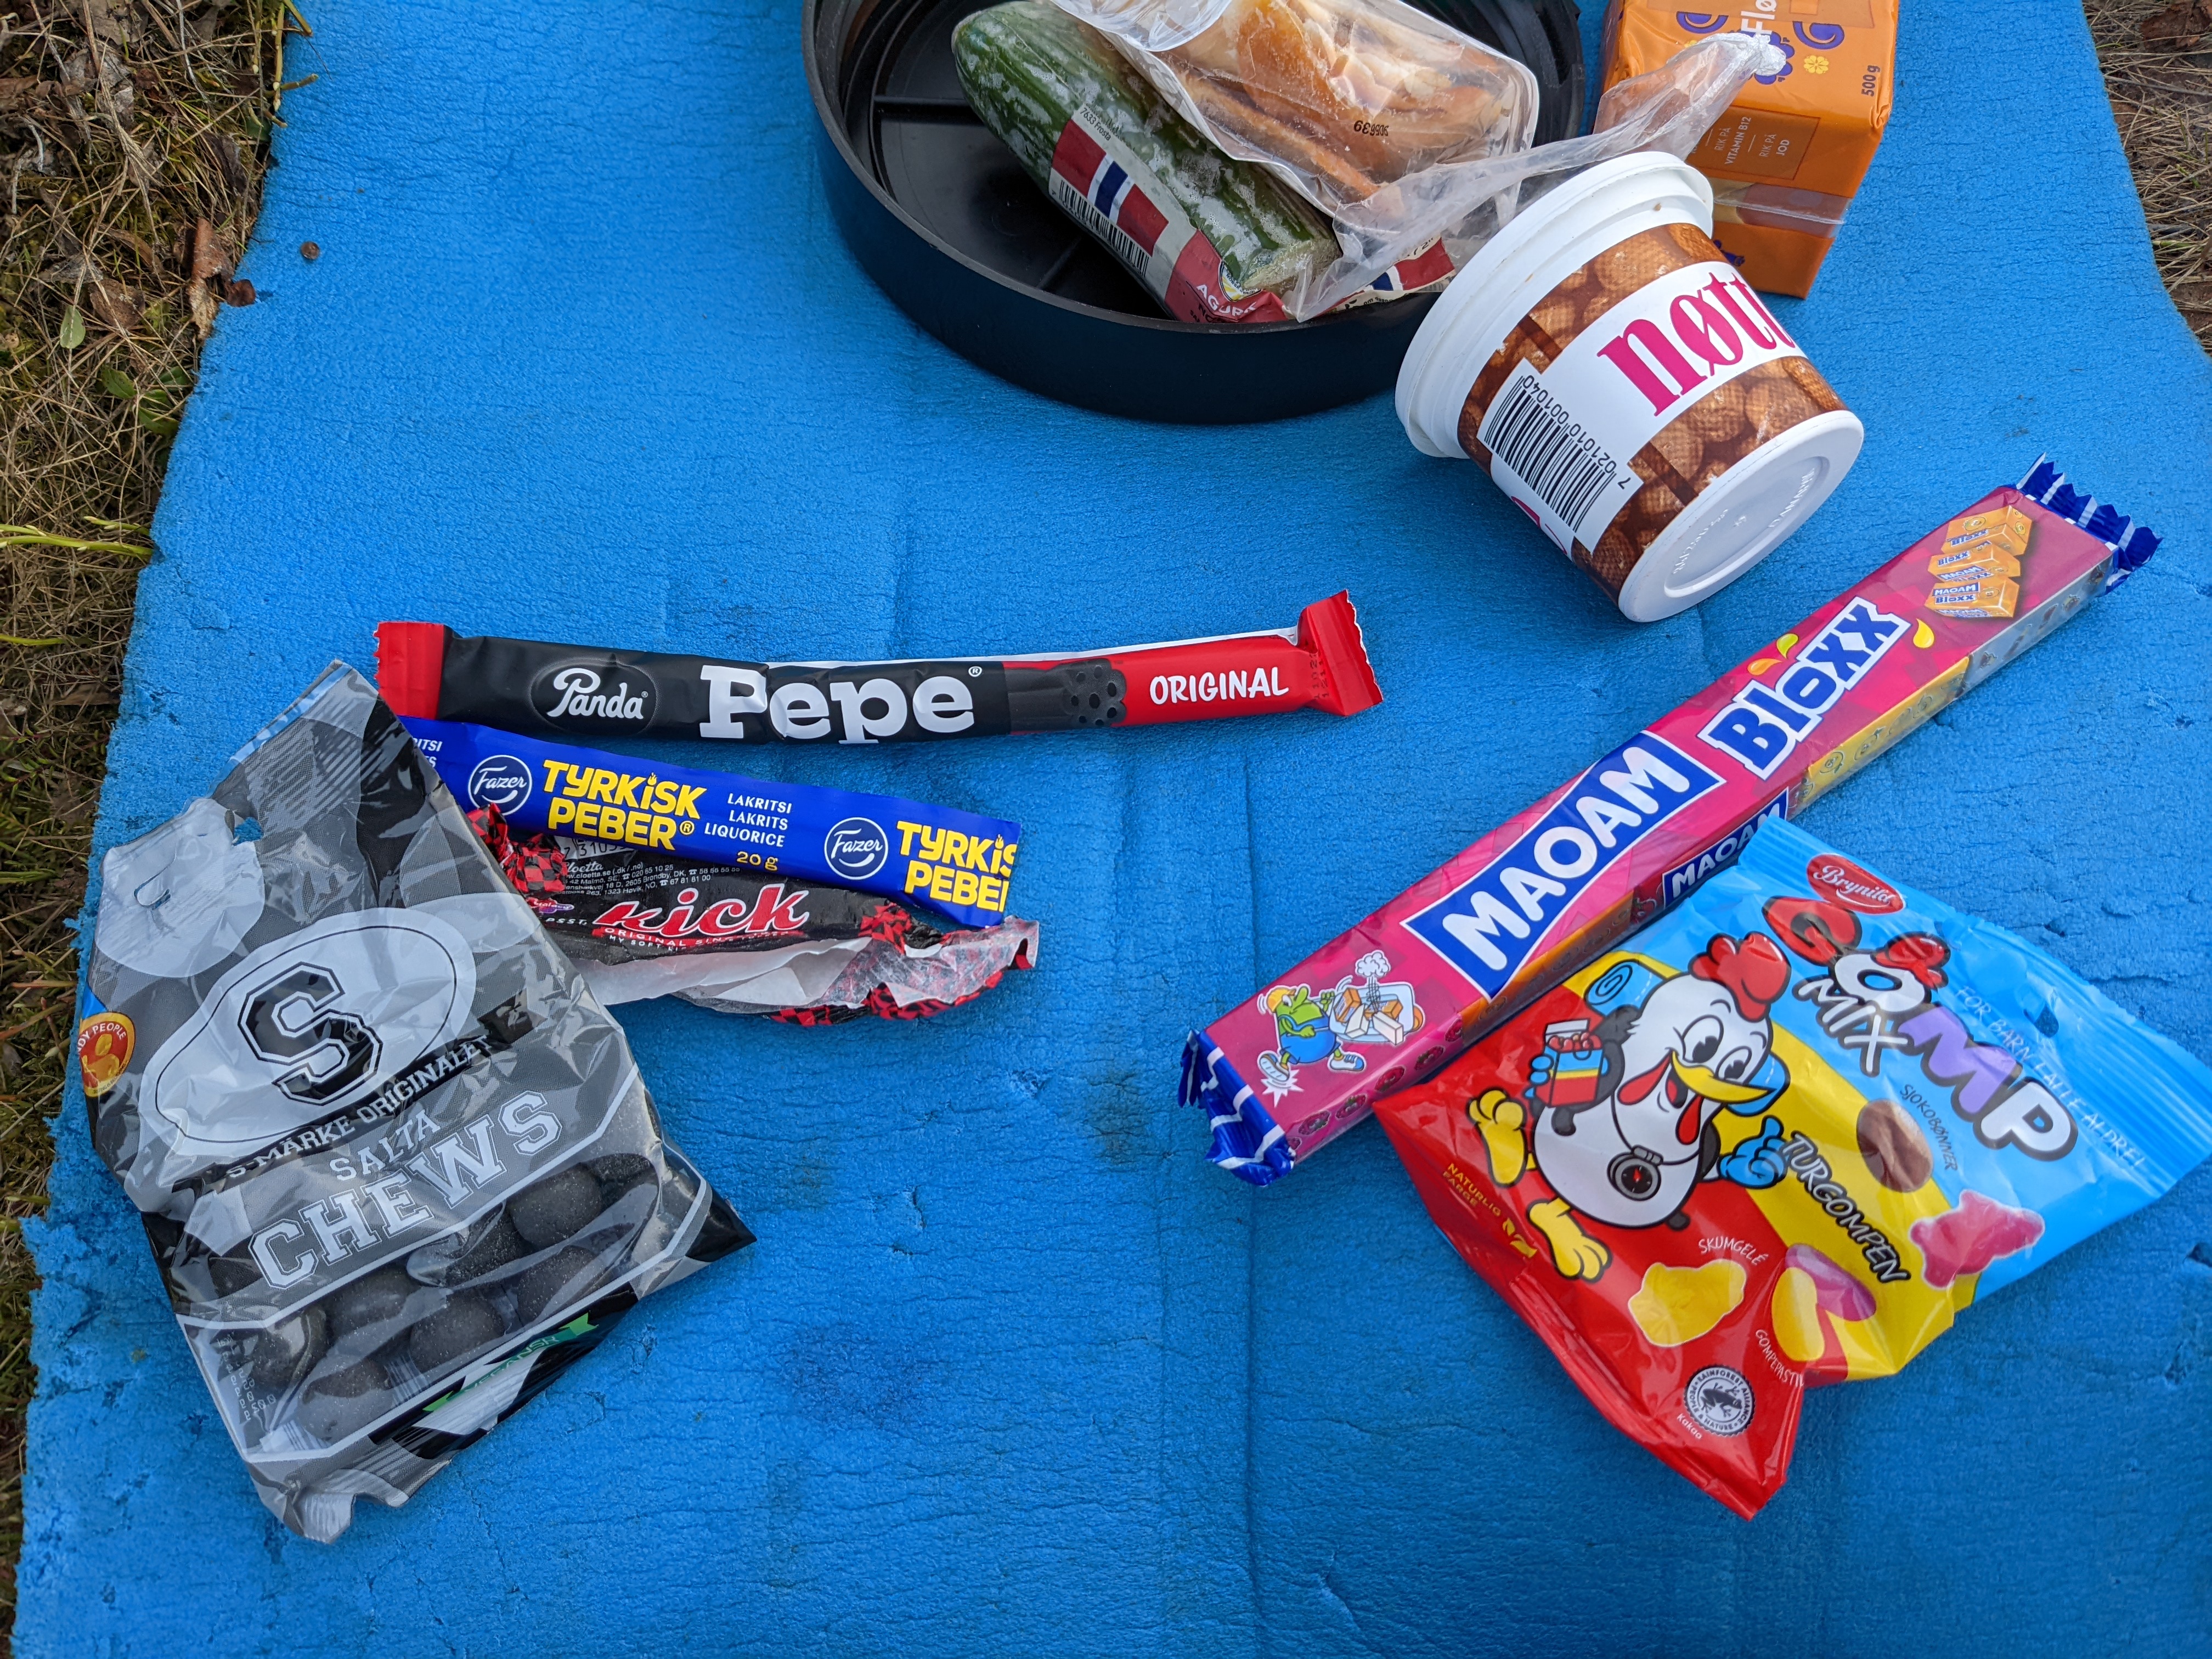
(1342, 97)
(1402, 130)
(395, 1161)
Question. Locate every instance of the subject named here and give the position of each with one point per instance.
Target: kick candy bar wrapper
(953, 861)
(638, 924)
(394, 1160)
(430, 672)
(1779, 1139)
(1388, 1003)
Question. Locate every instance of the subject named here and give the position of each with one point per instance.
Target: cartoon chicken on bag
(1618, 1116)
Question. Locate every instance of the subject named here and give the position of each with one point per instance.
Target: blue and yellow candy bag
(1779, 1138)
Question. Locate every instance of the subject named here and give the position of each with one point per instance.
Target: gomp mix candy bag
(1779, 1138)
(395, 1161)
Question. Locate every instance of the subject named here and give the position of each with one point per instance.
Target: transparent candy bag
(395, 1161)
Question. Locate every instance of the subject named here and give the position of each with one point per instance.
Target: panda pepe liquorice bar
(1455, 955)
(428, 672)
(956, 862)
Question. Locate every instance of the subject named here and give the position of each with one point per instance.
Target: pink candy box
(1446, 961)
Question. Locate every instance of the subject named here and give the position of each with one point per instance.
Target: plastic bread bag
(394, 1160)
(1211, 239)
(1400, 129)
(639, 924)
(1339, 97)
(1780, 1137)
(1466, 202)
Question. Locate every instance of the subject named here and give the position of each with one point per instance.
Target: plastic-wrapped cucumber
(1213, 240)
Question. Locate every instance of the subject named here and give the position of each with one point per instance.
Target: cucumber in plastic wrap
(1213, 240)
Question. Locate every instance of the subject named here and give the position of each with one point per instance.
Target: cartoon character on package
(1618, 1114)
(1361, 1010)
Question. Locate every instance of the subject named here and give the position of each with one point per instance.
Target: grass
(2163, 98)
(129, 196)
(133, 140)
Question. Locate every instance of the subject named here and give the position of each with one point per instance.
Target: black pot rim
(831, 119)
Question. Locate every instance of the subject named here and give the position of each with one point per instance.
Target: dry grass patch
(133, 138)
(2157, 59)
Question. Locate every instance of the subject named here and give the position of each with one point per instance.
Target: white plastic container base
(1752, 509)
(1627, 373)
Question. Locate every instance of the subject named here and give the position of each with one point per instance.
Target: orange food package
(1787, 158)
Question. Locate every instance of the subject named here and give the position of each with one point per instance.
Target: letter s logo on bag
(298, 1021)
(308, 1026)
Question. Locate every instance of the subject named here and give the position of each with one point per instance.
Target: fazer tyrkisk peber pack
(430, 672)
(1779, 1139)
(1390, 1002)
(957, 862)
(638, 924)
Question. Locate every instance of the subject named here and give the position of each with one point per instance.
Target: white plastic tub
(1627, 390)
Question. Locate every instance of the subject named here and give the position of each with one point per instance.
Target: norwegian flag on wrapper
(1431, 265)
(1105, 182)
(1114, 198)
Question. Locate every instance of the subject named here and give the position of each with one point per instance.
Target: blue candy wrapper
(2033, 1088)
(955, 862)
(1780, 1137)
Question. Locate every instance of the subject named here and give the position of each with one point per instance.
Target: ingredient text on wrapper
(960, 863)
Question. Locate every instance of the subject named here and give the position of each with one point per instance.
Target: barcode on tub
(1547, 450)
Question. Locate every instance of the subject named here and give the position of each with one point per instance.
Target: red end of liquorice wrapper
(411, 663)
(1330, 628)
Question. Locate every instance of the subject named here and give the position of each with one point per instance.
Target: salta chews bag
(1779, 1138)
(395, 1161)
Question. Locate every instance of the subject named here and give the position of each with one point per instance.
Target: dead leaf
(2181, 27)
(240, 293)
(211, 276)
(105, 23)
(137, 244)
(116, 306)
(209, 256)
(224, 150)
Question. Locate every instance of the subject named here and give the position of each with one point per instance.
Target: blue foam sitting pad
(1012, 1368)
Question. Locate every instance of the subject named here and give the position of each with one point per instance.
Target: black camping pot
(944, 219)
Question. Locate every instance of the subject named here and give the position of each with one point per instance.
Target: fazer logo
(499, 780)
(577, 697)
(1852, 887)
(856, 848)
